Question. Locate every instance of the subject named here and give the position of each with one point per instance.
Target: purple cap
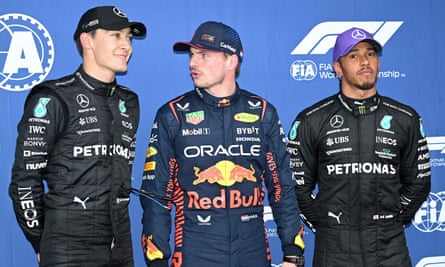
(213, 36)
(348, 39)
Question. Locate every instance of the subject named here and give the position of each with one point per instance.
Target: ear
(232, 62)
(85, 40)
(338, 69)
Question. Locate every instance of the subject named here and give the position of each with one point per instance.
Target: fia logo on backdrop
(320, 40)
(26, 52)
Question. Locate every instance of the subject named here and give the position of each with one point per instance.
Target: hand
(287, 264)
(38, 257)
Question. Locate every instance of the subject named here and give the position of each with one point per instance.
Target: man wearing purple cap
(368, 157)
(211, 150)
(78, 133)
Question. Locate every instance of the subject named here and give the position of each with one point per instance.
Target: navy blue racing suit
(212, 157)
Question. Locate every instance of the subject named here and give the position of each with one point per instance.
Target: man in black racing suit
(368, 156)
(78, 134)
(211, 155)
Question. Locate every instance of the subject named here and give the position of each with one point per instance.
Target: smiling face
(358, 71)
(106, 52)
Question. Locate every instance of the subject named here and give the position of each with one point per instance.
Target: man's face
(208, 68)
(358, 69)
(111, 49)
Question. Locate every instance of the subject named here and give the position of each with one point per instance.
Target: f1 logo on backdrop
(322, 38)
(26, 52)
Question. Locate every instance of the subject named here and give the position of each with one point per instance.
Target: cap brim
(137, 28)
(182, 46)
(374, 43)
(185, 47)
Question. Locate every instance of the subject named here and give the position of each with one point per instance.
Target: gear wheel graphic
(23, 79)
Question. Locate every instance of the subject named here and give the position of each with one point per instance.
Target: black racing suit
(77, 136)
(370, 162)
(212, 157)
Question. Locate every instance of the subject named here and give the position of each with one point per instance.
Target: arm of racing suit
(43, 118)
(415, 171)
(303, 158)
(158, 177)
(281, 186)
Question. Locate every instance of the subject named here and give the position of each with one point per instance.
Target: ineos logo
(83, 100)
(336, 121)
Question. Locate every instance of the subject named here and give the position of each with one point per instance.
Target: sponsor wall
(288, 53)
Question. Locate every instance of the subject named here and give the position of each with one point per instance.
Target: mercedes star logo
(83, 100)
(336, 121)
(358, 34)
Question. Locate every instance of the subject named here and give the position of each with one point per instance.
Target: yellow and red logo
(225, 173)
(151, 251)
(151, 151)
(149, 166)
(246, 117)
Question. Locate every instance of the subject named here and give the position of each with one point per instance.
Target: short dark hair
(78, 43)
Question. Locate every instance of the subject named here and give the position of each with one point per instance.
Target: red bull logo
(224, 173)
(236, 199)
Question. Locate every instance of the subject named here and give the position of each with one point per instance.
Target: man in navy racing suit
(210, 152)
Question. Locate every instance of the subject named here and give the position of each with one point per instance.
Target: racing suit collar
(362, 106)
(98, 87)
(218, 102)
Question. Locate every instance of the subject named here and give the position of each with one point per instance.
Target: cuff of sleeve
(292, 250)
(158, 263)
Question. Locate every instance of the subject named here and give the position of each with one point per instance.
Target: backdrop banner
(287, 59)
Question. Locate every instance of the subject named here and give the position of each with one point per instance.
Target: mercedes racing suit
(211, 156)
(370, 161)
(78, 134)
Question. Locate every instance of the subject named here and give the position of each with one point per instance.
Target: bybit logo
(26, 52)
(322, 38)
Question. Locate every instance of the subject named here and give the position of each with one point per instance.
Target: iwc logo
(26, 52)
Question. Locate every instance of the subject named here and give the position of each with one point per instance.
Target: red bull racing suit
(78, 134)
(212, 157)
(370, 161)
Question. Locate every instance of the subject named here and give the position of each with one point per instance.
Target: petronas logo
(122, 107)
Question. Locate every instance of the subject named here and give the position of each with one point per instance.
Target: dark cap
(215, 36)
(349, 38)
(107, 18)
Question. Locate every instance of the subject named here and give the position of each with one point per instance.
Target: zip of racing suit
(371, 164)
(212, 156)
(77, 134)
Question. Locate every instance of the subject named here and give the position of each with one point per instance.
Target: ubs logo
(26, 52)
